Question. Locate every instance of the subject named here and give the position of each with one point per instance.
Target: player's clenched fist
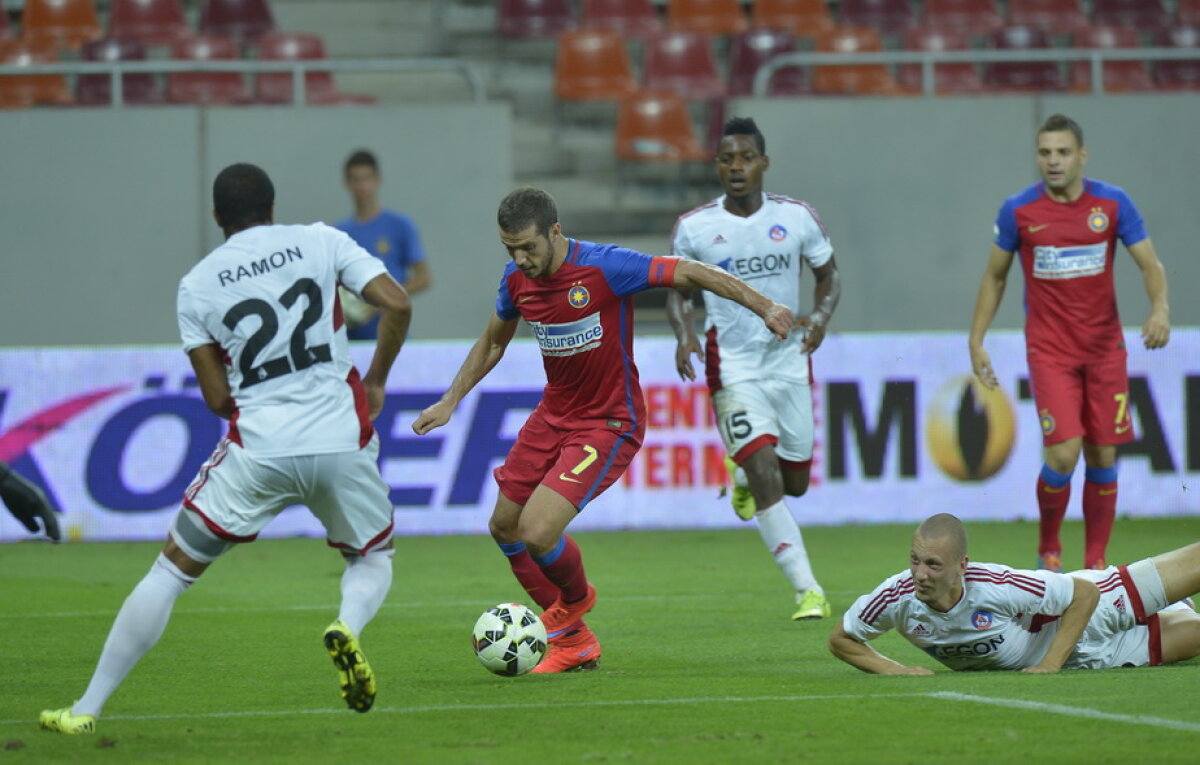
(432, 417)
(779, 320)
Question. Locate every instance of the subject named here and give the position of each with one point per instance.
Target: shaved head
(945, 526)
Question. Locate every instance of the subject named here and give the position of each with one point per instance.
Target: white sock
(782, 537)
(365, 584)
(138, 626)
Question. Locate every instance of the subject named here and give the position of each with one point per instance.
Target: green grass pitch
(701, 663)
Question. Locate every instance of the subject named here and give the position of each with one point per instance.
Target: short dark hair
(947, 526)
(527, 206)
(243, 196)
(361, 158)
(745, 126)
(1058, 122)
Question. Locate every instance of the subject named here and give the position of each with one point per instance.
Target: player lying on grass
(977, 616)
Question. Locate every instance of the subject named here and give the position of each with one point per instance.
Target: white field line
(1069, 711)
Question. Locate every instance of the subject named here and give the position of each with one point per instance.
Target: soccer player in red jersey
(577, 298)
(1065, 229)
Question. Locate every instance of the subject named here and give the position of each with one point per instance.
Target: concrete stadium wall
(103, 210)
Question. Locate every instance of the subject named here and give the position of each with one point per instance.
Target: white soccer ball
(509, 639)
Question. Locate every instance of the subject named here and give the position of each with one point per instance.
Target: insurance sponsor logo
(570, 338)
(1069, 262)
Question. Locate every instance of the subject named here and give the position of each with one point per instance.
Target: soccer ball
(509, 639)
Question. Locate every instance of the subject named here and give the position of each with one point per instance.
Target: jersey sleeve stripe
(1028, 584)
(892, 594)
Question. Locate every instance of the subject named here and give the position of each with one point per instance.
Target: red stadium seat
(61, 24)
(1179, 75)
(628, 18)
(852, 79)
(533, 18)
(888, 17)
(206, 87)
(592, 65)
(803, 18)
(1022, 76)
(136, 88)
(151, 22)
(947, 78)
(976, 18)
(1143, 15)
(245, 20)
(319, 88)
(22, 91)
(655, 126)
(1118, 75)
(683, 62)
(714, 17)
(1054, 17)
(750, 50)
(1188, 13)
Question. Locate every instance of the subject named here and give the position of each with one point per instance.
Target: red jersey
(582, 319)
(1066, 251)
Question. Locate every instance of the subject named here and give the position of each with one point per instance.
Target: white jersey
(765, 250)
(268, 298)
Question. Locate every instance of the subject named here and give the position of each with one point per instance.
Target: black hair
(361, 158)
(1059, 122)
(527, 206)
(242, 196)
(745, 126)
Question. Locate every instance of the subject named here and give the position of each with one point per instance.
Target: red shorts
(1082, 398)
(578, 463)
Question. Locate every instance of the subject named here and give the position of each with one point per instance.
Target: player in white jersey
(760, 386)
(262, 326)
(984, 616)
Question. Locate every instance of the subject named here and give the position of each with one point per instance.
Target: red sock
(1052, 506)
(530, 575)
(1099, 512)
(564, 567)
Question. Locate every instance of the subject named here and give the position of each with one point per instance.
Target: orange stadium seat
(592, 65)
(1147, 16)
(682, 61)
(1178, 75)
(245, 20)
(976, 18)
(1053, 17)
(947, 78)
(655, 126)
(714, 17)
(96, 89)
(888, 17)
(1118, 75)
(206, 87)
(61, 24)
(151, 22)
(319, 87)
(750, 50)
(803, 18)
(21, 91)
(628, 18)
(1188, 13)
(1022, 76)
(852, 79)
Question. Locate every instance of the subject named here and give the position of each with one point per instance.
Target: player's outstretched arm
(395, 313)
(679, 314)
(987, 301)
(214, 384)
(1156, 332)
(484, 355)
(27, 503)
(866, 658)
(690, 274)
(1070, 627)
(826, 294)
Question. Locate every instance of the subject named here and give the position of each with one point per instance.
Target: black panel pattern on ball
(495, 636)
(480, 643)
(494, 611)
(505, 615)
(528, 618)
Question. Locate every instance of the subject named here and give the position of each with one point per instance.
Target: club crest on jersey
(1097, 220)
(578, 296)
(1047, 421)
(777, 233)
(981, 620)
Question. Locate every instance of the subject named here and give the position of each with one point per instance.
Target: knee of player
(503, 531)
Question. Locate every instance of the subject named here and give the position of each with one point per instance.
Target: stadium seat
(533, 18)
(151, 22)
(205, 88)
(23, 91)
(96, 89)
(60, 24)
(1021, 76)
(1147, 16)
(1188, 13)
(852, 79)
(714, 17)
(628, 18)
(1054, 17)
(947, 78)
(1118, 75)
(277, 87)
(244, 20)
(655, 126)
(6, 32)
(888, 17)
(975, 18)
(683, 62)
(592, 65)
(1178, 75)
(750, 50)
(803, 18)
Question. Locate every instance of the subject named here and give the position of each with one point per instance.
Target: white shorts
(1124, 629)
(751, 415)
(236, 495)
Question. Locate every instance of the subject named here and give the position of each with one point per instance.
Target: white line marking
(1069, 711)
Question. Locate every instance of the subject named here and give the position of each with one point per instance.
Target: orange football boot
(560, 616)
(576, 651)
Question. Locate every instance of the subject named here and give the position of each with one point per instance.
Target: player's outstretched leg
(1053, 494)
(576, 651)
(1099, 512)
(740, 495)
(357, 679)
(365, 584)
(563, 566)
